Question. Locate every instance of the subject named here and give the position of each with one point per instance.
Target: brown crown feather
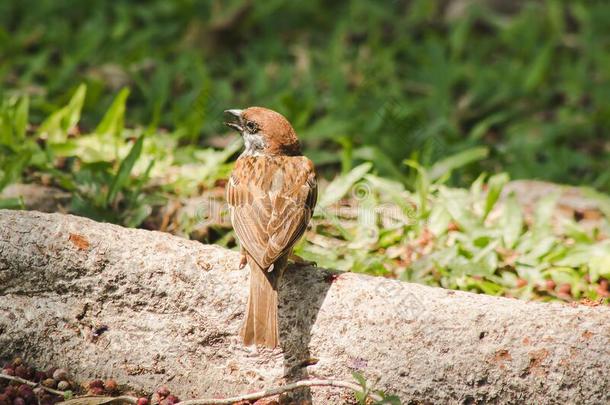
(278, 133)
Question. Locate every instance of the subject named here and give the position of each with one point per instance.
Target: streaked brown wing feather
(272, 200)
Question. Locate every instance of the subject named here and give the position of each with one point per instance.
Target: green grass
(377, 82)
(460, 238)
(401, 107)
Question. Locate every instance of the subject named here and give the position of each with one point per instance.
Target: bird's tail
(261, 324)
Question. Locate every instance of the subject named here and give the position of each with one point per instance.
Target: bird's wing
(272, 199)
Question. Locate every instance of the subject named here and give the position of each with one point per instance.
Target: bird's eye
(251, 127)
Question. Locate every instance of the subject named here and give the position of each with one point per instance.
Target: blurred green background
(119, 104)
(372, 79)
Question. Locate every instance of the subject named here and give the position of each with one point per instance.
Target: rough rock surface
(149, 309)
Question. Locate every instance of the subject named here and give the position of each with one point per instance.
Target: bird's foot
(300, 262)
(243, 261)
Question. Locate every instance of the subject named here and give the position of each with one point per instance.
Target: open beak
(235, 120)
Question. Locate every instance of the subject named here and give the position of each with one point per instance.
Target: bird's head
(265, 131)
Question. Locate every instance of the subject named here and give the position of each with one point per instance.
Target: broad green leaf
(495, 185)
(603, 200)
(456, 161)
(342, 184)
(74, 108)
(511, 221)
(113, 121)
(384, 166)
(457, 204)
(599, 266)
(544, 211)
(542, 247)
(488, 287)
(58, 124)
(439, 219)
(476, 188)
(360, 379)
(12, 203)
(575, 257)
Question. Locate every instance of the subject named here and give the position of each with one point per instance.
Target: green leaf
(58, 124)
(113, 121)
(544, 211)
(361, 396)
(125, 169)
(511, 221)
(603, 200)
(12, 203)
(456, 161)
(457, 204)
(342, 184)
(21, 117)
(481, 128)
(439, 219)
(495, 185)
(383, 166)
(599, 266)
(422, 185)
(539, 68)
(388, 399)
(359, 379)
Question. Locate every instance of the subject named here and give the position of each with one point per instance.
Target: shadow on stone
(300, 300)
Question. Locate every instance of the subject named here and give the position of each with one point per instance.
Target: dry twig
(32, 384)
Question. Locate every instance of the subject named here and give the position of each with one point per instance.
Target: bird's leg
(243, 260)
(300, 262)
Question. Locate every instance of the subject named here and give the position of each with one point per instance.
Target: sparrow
(271, 193)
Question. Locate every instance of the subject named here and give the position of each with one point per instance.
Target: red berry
(49, 383)
(60, 374)
(96, 384)
(96, 391)
(521, 282)
(163, 392)
(21, 371)
(565, 288)
(8, 371)
(111, 386)
(50, 372)
(172, 399)
(550, 285)
(142, 401)
(11, 391)
(25, 392)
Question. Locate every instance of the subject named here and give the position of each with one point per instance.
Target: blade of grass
(456, 161)
(125, 170)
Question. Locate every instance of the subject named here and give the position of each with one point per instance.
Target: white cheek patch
(254, 144)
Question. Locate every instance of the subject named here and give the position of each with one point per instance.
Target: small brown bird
(272, 193)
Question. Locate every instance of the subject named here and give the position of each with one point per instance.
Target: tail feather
(261, 323)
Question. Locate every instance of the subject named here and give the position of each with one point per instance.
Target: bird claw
(243, 261)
